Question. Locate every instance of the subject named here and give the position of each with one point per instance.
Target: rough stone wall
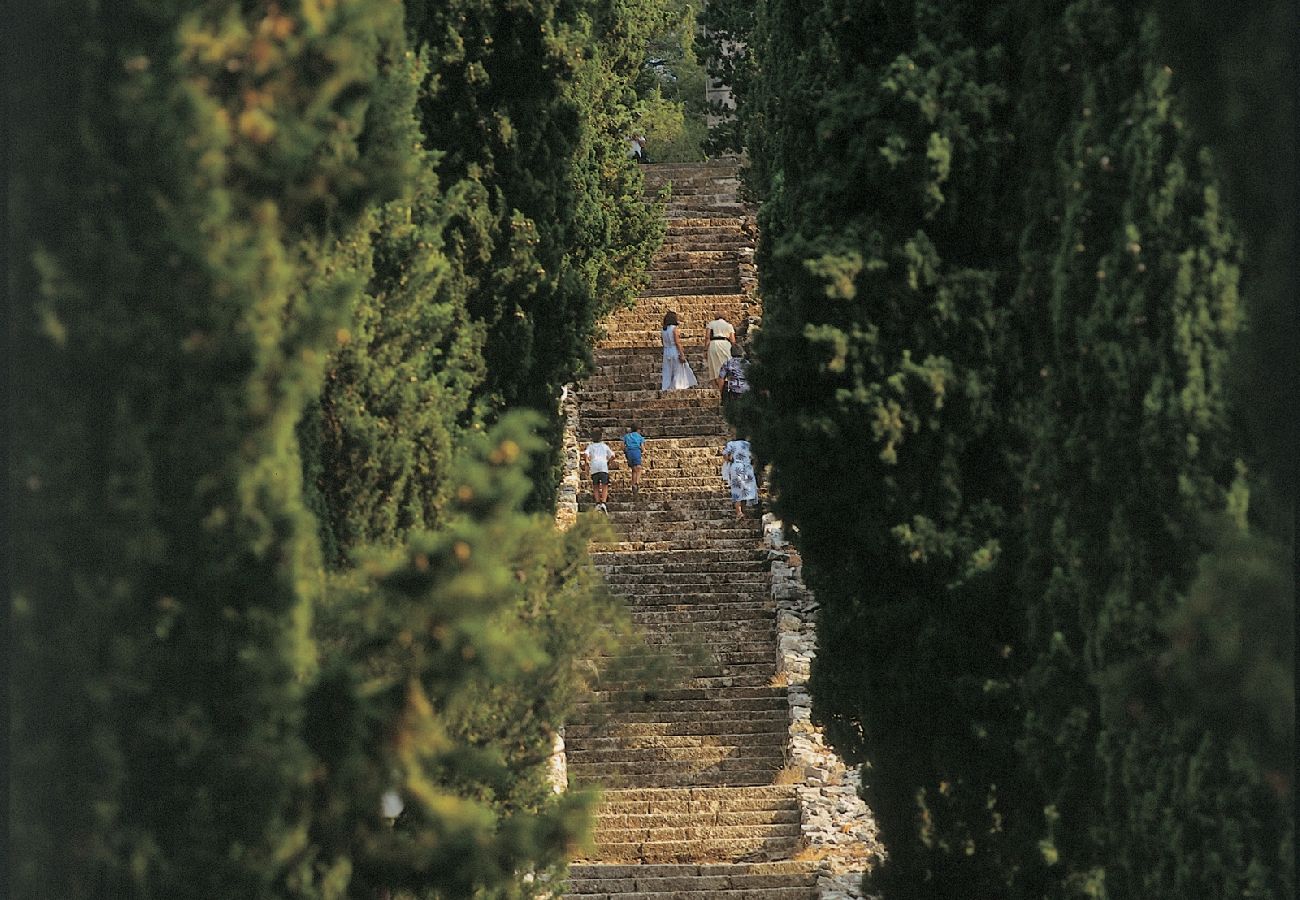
(837, 827)
(566, 505)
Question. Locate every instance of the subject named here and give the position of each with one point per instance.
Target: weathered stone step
(632, 889)
(734, 807)
(724, 597)
(689, 574)
(648, 584)
(722, 848)
(660, 828)
(749, 676)
(671, 746)
(695, 843)
(696, 625)
(740, 543)
(684, 421)
(672, 527)
(759, 663)
(755, 721)
(744, 553)
(678, 286)
(735, 771)
(644, 398)
(674, 713)
(709, 881)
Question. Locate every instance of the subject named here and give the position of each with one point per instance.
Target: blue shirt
(632, 442)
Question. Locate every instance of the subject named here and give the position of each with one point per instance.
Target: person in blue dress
(633, 442)
(740, 474)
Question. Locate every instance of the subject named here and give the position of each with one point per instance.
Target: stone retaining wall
(836, 825)
(566, 501)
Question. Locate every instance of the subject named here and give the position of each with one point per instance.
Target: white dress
(677, 373)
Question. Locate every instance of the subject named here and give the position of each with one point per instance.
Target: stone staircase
(692, 808)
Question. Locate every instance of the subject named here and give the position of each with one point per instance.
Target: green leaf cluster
(1002, 294)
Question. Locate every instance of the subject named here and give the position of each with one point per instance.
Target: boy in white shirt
(597, 456)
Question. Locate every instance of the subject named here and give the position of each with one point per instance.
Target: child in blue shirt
(632, 444)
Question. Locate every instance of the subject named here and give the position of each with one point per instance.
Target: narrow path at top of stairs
(692, 809)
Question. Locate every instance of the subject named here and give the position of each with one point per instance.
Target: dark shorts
(633, 457)
(600, 478)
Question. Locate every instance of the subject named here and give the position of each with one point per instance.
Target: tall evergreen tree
(884, 366)
(532, 101)
(1051, 407)
(175, 187)
(225, 205)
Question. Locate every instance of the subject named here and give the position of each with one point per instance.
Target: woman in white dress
(740, 472)
(719, 338)
(677, 372)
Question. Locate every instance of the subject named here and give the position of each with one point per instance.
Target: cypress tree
(224, 204)
(179, 185)
(1134, 463)
(883, 369)
(532, 100)
(1052, 405)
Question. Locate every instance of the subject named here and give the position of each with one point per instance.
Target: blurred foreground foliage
(296, 285)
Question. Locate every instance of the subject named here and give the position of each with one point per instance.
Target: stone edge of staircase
(835, 824)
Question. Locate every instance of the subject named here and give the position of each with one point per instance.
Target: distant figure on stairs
(719, 338)
(598, 456)
(637, 149)
(732, 375)
(632, 444)
(740, 472)
(678, 375)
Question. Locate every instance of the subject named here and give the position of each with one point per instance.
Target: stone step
(747, 552)
(755, 676)
(688, 850)
(725, 542)
(683, 585)
(644, 400)
(695, 624)
(706, 423)
(673, 775)
(671, 746)
(599, 723)
(690, 889)
(676, 287)
(659, 828)
(760, 663)
(755, 721)
(784, 880)
(717, 573)
(702, 507)
(686, 812)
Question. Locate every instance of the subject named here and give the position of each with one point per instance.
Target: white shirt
(720, 328)
(599, 455)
